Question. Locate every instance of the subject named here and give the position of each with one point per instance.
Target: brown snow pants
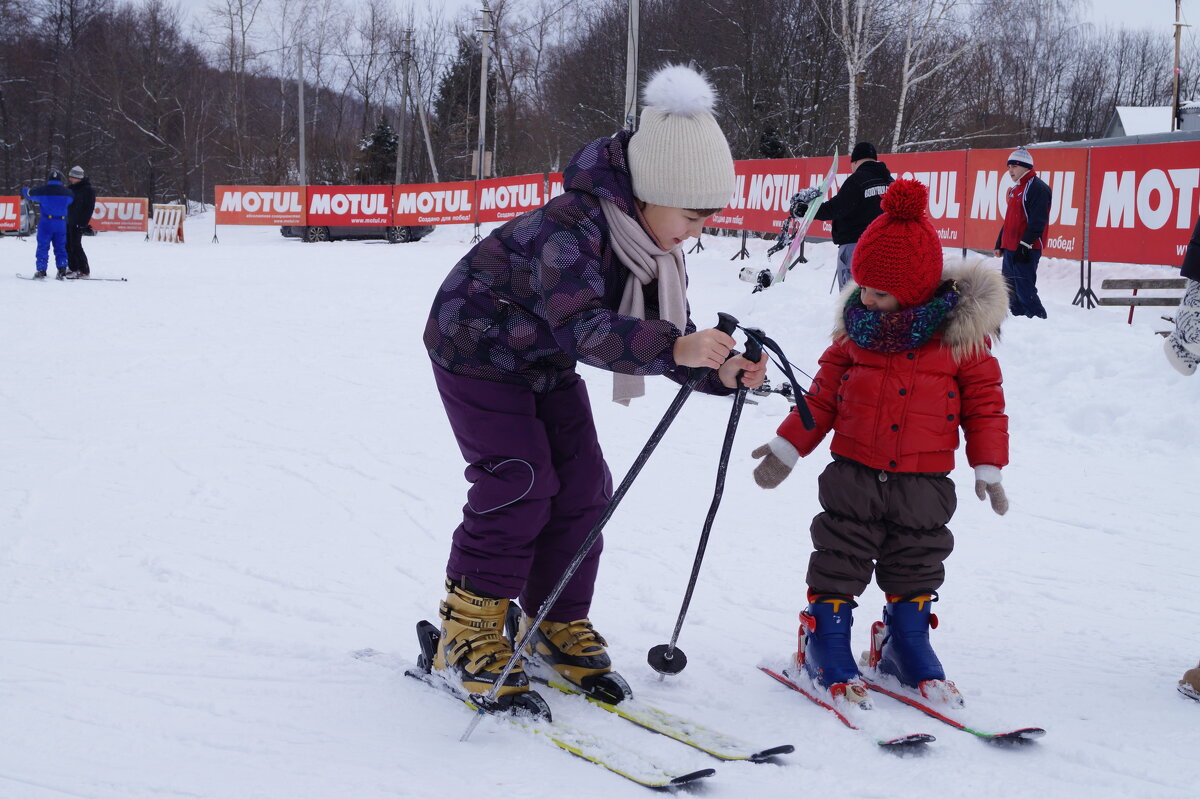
(896, 527)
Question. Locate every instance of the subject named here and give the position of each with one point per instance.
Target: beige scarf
(646, 261)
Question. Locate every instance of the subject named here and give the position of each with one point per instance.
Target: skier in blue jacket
(53, 197)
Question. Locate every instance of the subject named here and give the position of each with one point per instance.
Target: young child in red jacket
(909, 366)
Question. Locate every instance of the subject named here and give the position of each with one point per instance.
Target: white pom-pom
(677, 89)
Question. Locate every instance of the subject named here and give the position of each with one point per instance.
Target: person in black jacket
(1019, 242)
(1183, 345)
(79, 216)
(855, 205)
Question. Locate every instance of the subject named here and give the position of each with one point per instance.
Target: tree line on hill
(158, 104)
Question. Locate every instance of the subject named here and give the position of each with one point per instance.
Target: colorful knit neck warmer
(901, 330)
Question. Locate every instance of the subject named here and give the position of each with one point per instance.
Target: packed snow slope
(223, 478)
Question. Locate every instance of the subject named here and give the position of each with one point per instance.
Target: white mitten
(987, 486)
(779, 458)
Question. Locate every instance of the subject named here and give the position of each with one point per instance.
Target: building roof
(1128, 120)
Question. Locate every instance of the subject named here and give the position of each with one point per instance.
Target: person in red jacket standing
(1019, 242)
(910, 365)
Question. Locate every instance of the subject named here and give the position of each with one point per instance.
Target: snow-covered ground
(222, 478)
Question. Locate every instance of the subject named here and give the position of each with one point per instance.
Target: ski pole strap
(762, 341)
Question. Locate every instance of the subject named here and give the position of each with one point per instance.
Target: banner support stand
(742, 253)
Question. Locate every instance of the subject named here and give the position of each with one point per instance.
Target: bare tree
(931, 44)
(858, 28)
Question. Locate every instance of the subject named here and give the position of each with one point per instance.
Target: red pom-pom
(906, 200)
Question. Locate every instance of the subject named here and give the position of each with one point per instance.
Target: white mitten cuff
(782, 448)
(987, 473)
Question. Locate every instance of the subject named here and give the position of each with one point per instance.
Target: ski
(907, 740)
(790, 257)
(48, 277)
(675, 727)
(946, 716)
(579, 742)
(623, 762)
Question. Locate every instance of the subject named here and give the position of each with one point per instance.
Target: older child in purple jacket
(595, 275)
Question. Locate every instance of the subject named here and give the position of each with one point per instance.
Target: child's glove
(1024, 253)
(987, 482)
(779, 458)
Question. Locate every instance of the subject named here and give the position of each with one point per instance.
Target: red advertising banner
(500, 199)
(10, 213)
(943, 174)
(348, 205)
(555, 181)
(121, 213)
(1063, 169)
(434, 203)
(763, 192)
(1143, 202)
(260, 205)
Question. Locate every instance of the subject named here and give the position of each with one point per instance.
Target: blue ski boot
(900, 647)
(824, 651)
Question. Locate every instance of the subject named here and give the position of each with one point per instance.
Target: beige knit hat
(679, 157)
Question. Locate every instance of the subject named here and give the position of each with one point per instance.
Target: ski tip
(913, 740)
(766, 754)
(684, 779)
(1023, 734)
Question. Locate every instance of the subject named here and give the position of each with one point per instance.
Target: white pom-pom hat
(679, 157)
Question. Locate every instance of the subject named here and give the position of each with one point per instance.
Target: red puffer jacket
(901, 412)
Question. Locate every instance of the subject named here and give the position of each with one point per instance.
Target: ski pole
(487, 702)
(666, 658)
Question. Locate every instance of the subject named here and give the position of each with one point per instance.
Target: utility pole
(404, 59)
(1179, 25)
(300, 111)
(631, 66)
(484, 31)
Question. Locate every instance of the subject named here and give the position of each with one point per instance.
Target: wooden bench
(1142, 283)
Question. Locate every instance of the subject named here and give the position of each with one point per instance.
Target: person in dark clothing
(79, 216)
(855, 205)
(54, 198)
(1020, 240)
(1183, 345)
(597, 276)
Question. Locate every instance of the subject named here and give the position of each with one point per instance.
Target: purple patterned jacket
(540, 293)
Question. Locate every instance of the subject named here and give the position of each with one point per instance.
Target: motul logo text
(126, 212)
(8, 212)
(424, 202)
(348, 204)
(990, 199)
(526, 195)
(1151, 199)
(943, 192)
(280, 202)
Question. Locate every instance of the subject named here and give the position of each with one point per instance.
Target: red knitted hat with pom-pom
(900, 252)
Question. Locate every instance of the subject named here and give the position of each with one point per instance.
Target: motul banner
(763, 191)
(434, 203)
(555, 181)
(1143, 202)
(942, 173)
(1063, 169)
(121, 213)
(500, 199)
(260, 205)
(10, 213)
(348, 205)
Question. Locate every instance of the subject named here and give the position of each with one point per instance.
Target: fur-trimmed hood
(973, 321)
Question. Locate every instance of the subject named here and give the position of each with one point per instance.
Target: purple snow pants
(538, 485)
